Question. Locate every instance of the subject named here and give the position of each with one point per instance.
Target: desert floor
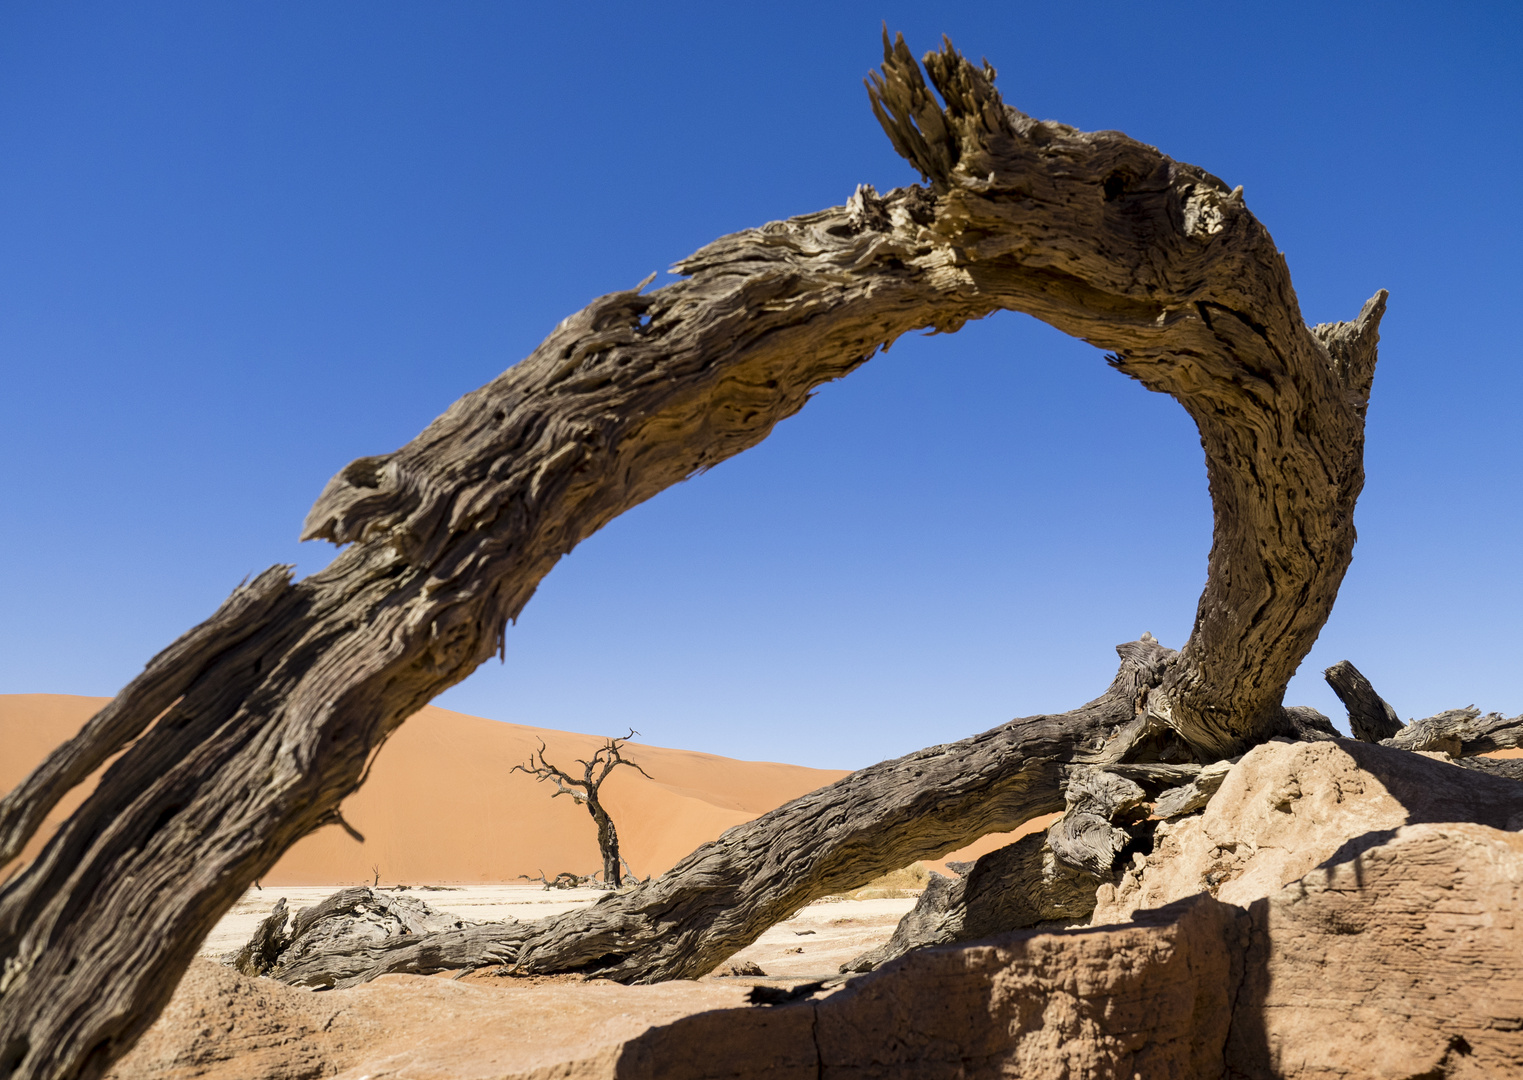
(812, 944)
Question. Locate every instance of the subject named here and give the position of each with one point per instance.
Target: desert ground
(222, 1025)
(1247, 934)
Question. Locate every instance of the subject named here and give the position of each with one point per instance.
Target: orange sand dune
(442, 803)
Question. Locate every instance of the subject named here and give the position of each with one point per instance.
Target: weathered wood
(1302, 723)
(267, 714)
(350, 919)
(244, 614)
(1460, 733)
(1051, 878)
(1087, 837)
(1510, 768)
(1111, 241)
(1370, 717)
(1016, 887)
(265, 945)
(1188, 798)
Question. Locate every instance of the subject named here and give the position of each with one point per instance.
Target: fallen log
(251, 729)
(1460, 733)
(726, 894)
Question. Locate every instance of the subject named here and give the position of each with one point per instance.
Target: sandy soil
(483, 1026)
(222, 1026)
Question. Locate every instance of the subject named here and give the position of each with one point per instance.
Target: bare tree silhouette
(585, 791)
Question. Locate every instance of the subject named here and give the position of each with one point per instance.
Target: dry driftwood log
(1460, 733)
(726, 894)
(268, 941)
(252, 728)
(1051, 878)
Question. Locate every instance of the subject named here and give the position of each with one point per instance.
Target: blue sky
(243, 244)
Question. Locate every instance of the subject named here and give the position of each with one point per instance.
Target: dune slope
(442, 803)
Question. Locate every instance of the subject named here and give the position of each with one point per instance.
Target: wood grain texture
(1188, 798)
(1159, 262)
(1089, 835)
(1370, 716)
(1460, 733)
(1016, 887)
(263, 718)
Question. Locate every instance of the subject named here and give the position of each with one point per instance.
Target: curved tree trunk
(253, 727)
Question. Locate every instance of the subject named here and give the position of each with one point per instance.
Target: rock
(1288, 807)
(747, 969)
(1397, 961)
(1392, 963)
(1152, 998)
(221, 1025)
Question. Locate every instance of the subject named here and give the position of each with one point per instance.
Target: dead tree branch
(726, 894)
(1460, 733)
(262, 719)
(1370, 718)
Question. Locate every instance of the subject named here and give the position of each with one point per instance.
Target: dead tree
(585, 791)
(249, 731)
(1370, 717)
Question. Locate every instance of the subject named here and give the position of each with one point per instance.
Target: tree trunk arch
(249, 731)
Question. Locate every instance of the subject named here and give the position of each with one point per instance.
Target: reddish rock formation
(1288, 807)
(1398, 962)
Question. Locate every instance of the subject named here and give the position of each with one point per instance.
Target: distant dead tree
(585, 791)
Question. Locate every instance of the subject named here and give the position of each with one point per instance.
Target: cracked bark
(1370, 717)
(1017, 887)
(1460, 733)
(252, 728)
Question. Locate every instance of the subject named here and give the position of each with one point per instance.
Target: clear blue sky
(242, 244)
